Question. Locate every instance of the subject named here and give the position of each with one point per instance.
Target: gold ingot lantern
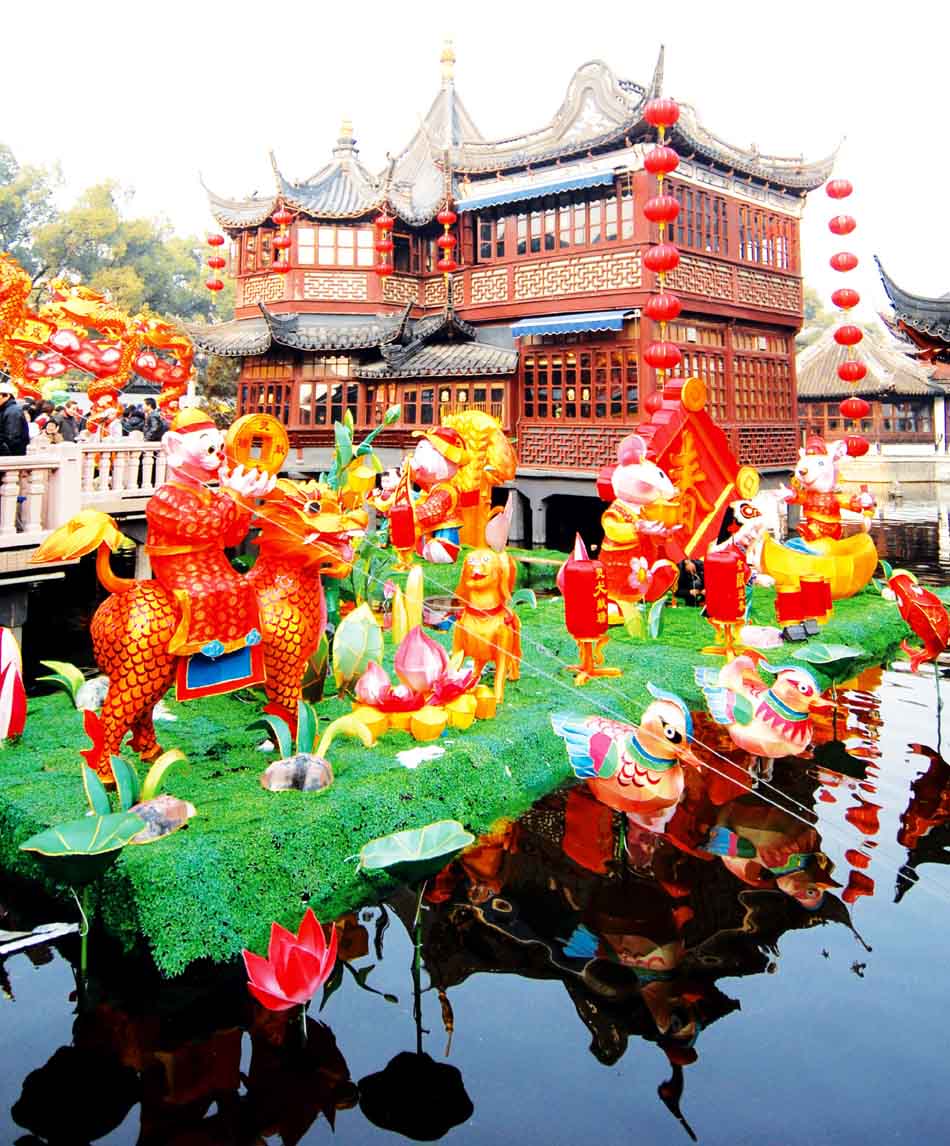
(257, 441)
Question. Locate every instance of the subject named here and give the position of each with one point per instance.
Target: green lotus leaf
(307, 724)
(278, 730)
(357, 641)
(413, 854)
(66, 675)
(80, 851)
(126, 782)
(818, 653)
(95, 791)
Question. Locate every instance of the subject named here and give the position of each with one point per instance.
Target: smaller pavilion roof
(928, 316)
(446, 359)
(890, 371)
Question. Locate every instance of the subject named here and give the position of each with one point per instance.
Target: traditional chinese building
(908, 404)
(542, 324)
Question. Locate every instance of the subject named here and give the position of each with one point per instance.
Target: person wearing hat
(189, 527)
(14, 429)
(434, 463)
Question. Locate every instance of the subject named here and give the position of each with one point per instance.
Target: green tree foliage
(26, 203)
(817, 318)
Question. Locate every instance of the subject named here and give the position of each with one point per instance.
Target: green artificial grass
(252, 856)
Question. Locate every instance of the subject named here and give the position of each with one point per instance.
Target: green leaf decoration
(307, 724)
(348, 420)
(655, 617)
(155, 777)
(413, 854)
(885, 565)
(315, 674)
(357, 641)
(818, 653)
(95, 791)
(343, 439)
(278, 730)
(64, 674)
(524, 597)
(126, 782)
(80, 851)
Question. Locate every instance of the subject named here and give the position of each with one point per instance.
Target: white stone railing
(42, 491)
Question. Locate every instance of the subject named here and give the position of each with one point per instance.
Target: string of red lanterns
(282, 240)
(384, 223)
(447, 242)
(216, 262)
(663, 257)
(852, 370)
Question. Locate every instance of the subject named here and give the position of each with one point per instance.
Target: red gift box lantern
(584, 587)
(402, 526)
(816, 598)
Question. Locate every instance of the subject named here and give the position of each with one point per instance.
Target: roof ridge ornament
(447, 60)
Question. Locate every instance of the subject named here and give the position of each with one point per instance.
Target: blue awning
(502, 194)
(569, 323)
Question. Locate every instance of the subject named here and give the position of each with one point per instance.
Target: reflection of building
(907, 405)
(547, 328)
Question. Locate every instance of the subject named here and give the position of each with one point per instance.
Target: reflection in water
(638, 921)
(915, 534)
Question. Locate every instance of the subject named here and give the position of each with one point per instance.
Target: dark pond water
(600, 980)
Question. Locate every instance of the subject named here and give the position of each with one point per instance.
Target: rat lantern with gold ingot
(583, 585)
(199, 622)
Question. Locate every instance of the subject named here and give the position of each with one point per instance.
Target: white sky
(153, 93)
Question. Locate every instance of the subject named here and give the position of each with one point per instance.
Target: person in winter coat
(14, 429)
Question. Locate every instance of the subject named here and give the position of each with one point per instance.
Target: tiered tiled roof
(928, 316)
(890, 371)
(599, 112)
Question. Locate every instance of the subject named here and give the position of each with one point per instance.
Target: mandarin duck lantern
(583, 585)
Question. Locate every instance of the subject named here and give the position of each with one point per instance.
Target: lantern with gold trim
(447, 242)
(384, 223)
(281, 241)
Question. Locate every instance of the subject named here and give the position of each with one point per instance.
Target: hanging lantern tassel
(282, 240)
(447, 242)
(384, 223)
(216, 264)
(663, 257)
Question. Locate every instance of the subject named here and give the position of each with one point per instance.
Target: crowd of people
(34, 426)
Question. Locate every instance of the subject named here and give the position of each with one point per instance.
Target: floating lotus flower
(420, 661)
(296, 965)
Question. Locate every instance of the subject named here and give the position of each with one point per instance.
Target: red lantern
(842, 225)
(281, 268)
(789, 607)
(661, 257)
(852, 370)
(384, 246)
(216, 240)
(663, 355)
(446, 242)
(724, 574)
(661, 160)
(584, 586)
(844, 261)
(661, 209)
(446, 217)
(402, 525)
(662, 307)
(661, 112)
(857, 446)
(816, 598)
(446, 266)
(838, 189)
(281, 242)
(854, 409)
(654, 402)
(845, 298)
(215, 262)
(384, 221)
(214, 285)
(384, 270)
(282, 217)
(848, 335)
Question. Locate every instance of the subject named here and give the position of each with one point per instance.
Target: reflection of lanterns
(571, 393)
(444, 395)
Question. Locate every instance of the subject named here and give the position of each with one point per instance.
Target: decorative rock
(303, 773)
(91, 694)
(162, 815)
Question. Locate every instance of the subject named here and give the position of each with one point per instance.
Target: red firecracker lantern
(789, 607)
(663, 355)
(843, 261)
(852, 370)
(724, 574)
(857, 446)
(838, 189)
(662, 307)
(845, 298)
(661, 112)
(849, 335)
(661, 257)
(584, 587)
(842, 225)
(661, 160)
(661, 209)
(854, 409)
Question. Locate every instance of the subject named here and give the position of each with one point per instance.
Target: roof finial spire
(656, 86)
(345, 144)
(447, 60)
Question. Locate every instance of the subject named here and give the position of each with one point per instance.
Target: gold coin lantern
(257, 441)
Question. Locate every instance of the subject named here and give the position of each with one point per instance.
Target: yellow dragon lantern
(199, 623)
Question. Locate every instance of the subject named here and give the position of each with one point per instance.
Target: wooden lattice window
(325, 389)
(767, 238)
(763, 389)
(580, 383)
(490, 229)
(702, 224)
(711, 368)
(265, 398)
